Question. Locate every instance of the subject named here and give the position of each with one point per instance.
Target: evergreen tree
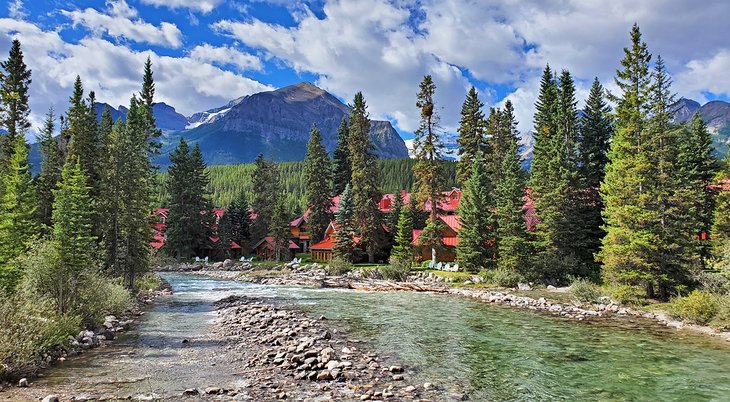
(235, 225)
(477, 234)
(402, 252)
(428, 149)
(14, 107)
(503, 130)
(318, 176)
(187, 182)
(72, 234)
(342, 164)
(721, 215)
(698, 168)
(51, 165)
(393, 216)
(513, 245)
(629, 243)
(280, 230)
(84, 144)
(366, 219)
(147, 101)
(471, 131)
(18, 213)
(265, 179)
(344, 243)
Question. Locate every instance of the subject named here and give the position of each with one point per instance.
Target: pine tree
(72, 233)
(280, 230)
(14, 107)
(366, 219)
(720, 232)
(317, 176)
(265, 179)
(235, 225)
(344, 243)
(393, 216)
(629, 215)
(471, 131)
(84, 144)
(512, 246)
(402, 252)
(477, 234)
(503, 130)
(187, 183)
(147, 101)
(428, 149)
(697, 169)
(51, 165)
(342, 164)
(18, 213)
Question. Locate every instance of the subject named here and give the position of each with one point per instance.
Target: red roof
(452, 221)
(447, 241)
(270, 241)
(328, 243)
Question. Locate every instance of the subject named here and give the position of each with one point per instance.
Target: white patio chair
(439, 266)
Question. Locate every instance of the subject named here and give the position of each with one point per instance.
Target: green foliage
(51, 166)
(344, 242)
(280, 231)
(366, 220)
(698, 307)
(721, 320)
(626, 295)
(235, 226)
(397, 270)
(342, 166)
(472, 138)
(187, 185)
(27, 326)
(338, 267)
(402, 252)
(507, 279)
(317, 177)
(14, 109)
(476, 250)
(585, 290)
(265, 180)
(147, 282)
(100, 296)
(18, 213)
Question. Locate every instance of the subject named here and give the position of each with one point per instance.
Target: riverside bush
(698, 307)
(338, 267)
(721, 320)
(148, 282)
(585, 290)
(506, 278)
(626, 295)
(396, 271)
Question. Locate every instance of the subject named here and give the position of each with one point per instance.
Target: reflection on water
(490, 352)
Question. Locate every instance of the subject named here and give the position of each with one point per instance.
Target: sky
(207, 52)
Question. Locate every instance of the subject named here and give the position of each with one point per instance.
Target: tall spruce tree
(697, 169)
(428, 170)
(629, 213)
(503, 132)
(187, 183)
(344, 243)
(280, 231)
(477, 235)
(84, 144)
(366, 220)
(72, 234)
(18, 213)
(265, 179)
(14, 107)
(720, 232)
(317, 177)
(51, 165)
(513, 245)
(235, 226)
(342, 165)
(472, 131)
(402, 252)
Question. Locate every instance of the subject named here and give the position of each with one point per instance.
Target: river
(488, 352)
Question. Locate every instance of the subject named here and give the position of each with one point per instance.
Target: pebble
(51, 398)
(23, 383)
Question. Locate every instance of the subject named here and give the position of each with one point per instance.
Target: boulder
(227, 263)
(326, 355)
(50, 398)
(213, 390)
(524, 286)
(23, 383)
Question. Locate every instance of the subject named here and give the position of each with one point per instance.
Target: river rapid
(487, 352)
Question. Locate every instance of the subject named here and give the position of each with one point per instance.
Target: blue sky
(206, 52)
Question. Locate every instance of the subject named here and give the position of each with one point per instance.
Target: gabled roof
(270, 241)
(448, 241)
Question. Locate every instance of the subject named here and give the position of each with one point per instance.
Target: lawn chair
(456, 268)
(197, 259)
(431, 264)
(447, 268)
(440, 266)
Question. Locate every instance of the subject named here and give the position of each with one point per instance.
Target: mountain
(716, 114)
(165, 115)
(276, 124)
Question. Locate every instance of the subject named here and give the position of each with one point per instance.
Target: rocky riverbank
(285, 354)
(315, 275)
(88, 338)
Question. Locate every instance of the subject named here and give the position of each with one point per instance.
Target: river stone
(410, 388)
(50, 398)
(396, 369)
(332, 364)
(324, 375)
(23, 383)
(213, 390)
(191, 391)
(327, 354)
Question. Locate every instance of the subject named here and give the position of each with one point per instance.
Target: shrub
(396, 271)
(626, 295)
(339, 266)
(698, 307)
(715, 283)
(101, 296)
(487, 276)
(147, 282)
(585, 290)
(506, 278)
(721, 320)
(27, 326)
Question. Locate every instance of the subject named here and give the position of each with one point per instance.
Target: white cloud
(16, 10)
(226, 55)
(204, 6)
(114, 72)
(705, 75)
(122, 21)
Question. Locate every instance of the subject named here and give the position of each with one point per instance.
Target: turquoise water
(487, 352)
